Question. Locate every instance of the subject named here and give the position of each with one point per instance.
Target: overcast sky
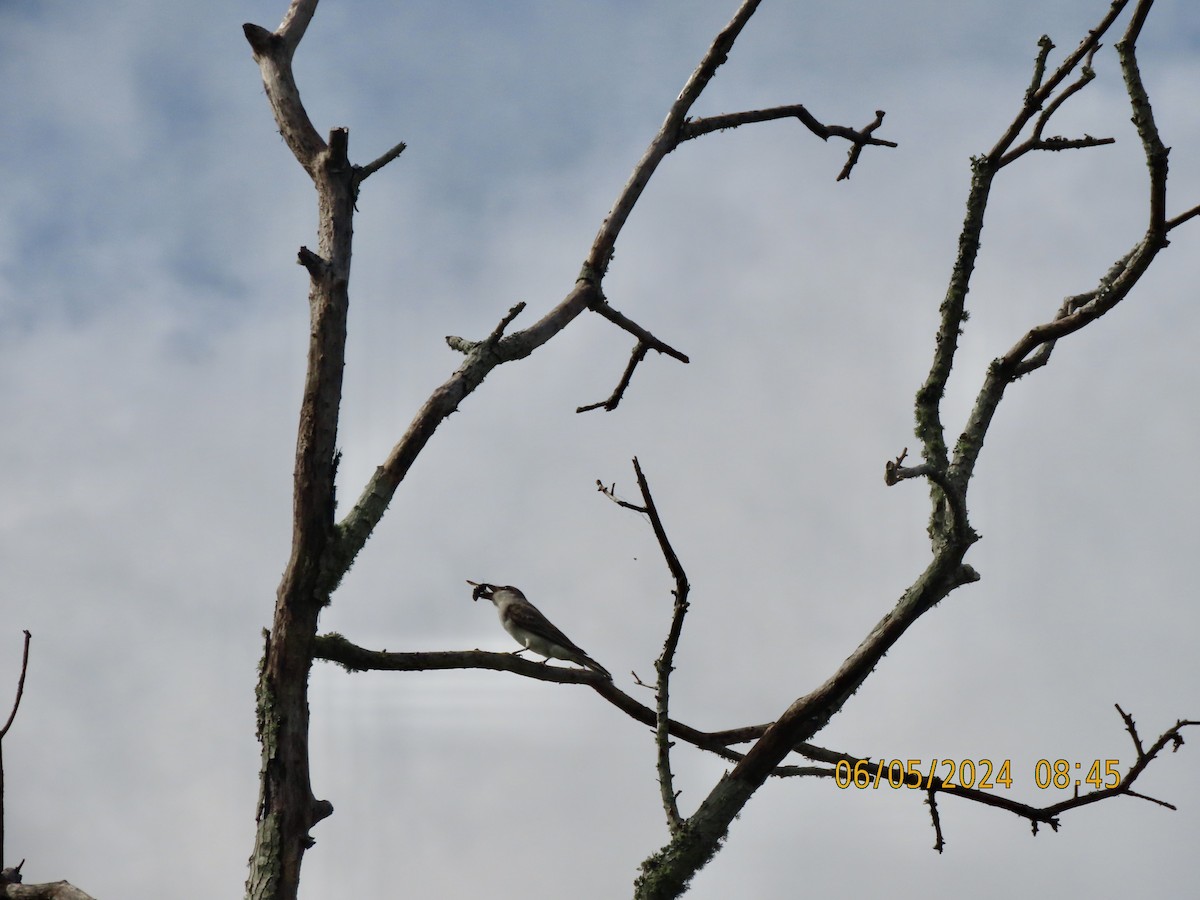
(153, 329)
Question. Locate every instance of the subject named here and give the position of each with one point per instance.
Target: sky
(153, 329)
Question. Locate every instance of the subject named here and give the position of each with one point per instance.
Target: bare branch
(295, 23)
(1183, 217)
(646, 342)
(639, 353)
(896, 774)
(599, 305)
(856, 146)
(1042, 355)
(665, 664)
(1045, 45)
(358, 525)
(481, 358)
(365, 172)
(664, 142)
(1042, 89)
(1036, 141)
(610, 493)
(894, 472)
(929, 428)
(660, 532)
(273, 52)
(1033, 350)
(4, 731)
(1132, 729)
(1172, 735)
(676, 129)
(1086, 74)
(20, 692)
(315, 265)
(489, 343)
(586, 294)
(1143, 120)
(939, 840)
(694, 128)
(337, 649)
(665, 873)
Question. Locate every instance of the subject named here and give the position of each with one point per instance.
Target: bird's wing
(529, 617)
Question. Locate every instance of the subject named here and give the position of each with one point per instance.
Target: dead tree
(323, 547)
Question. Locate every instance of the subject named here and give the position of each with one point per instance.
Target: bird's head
(490, 591)
(481, 590)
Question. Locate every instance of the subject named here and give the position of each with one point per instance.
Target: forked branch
(694, 128)
(1041, 91)
(587, 294)
(1033, 350)
(678, 128)
(666, 874)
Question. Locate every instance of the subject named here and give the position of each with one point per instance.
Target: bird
(532, 630)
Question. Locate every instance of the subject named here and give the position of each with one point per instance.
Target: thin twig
(639, 353)
(694, 128)
(1132, 729)
(611, 494)
(1045, 45)
(939, 840)
(894, 472)
(857, 145)
(599, 305)
(1183, 217)
(665, 663)
(1036, 141)
(20, 684)
(3, 731)
(646, 342)
(1036, 815)
(365, 172)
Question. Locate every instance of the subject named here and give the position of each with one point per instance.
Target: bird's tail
(585, 660)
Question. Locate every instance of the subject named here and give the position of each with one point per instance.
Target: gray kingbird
(532, 630)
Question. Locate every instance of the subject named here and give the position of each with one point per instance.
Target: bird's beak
(481, 590)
